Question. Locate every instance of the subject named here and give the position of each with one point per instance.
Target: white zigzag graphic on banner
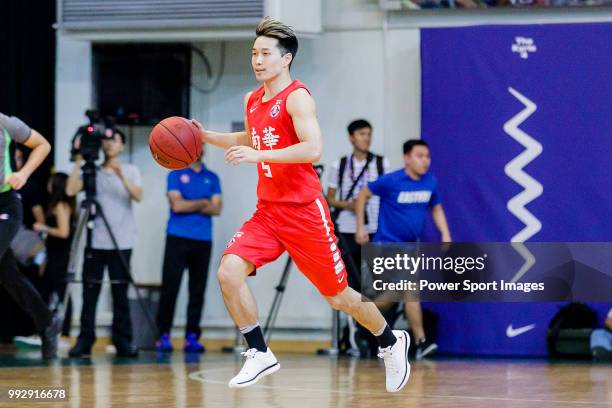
(514, 169)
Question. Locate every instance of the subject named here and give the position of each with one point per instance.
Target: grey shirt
(11, 128)
(117, 206)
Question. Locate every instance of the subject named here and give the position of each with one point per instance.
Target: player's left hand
(16, 180)
(241, 154)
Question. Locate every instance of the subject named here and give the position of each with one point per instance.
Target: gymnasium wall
(365, 64)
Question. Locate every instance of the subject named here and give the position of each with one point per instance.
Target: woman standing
(57, 230)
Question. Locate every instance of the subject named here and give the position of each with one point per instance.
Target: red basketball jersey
(271, 127)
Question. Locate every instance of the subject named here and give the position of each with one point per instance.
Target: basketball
(175, 143)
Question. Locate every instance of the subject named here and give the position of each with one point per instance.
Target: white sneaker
(396, 361)
(257, 365)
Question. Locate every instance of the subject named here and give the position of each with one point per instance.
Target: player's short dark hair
(358, 124)
(409, 144)
(287, 40)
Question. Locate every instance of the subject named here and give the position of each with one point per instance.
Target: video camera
(87, 140)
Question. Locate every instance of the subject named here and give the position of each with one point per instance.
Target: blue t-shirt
(404, 204)
(192, 186)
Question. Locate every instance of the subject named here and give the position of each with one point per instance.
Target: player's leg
(239, 301)
(311, 242)
(250, 248)
(393, 344)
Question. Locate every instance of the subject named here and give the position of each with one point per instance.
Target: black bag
(569, 330)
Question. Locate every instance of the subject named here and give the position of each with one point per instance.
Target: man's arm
(226, 140)
(440, 219)
(134, 190)
(40, 149)
(361, 236)
(178, 204)
(301, 107)
(74, 183)
(63, 223)
(213, 206)
(339, 204)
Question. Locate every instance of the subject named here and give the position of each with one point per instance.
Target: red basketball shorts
(305, 231)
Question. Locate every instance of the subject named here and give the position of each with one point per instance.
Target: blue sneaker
(164, 345)
(192, 345)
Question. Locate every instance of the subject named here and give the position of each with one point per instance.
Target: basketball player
(283, 137)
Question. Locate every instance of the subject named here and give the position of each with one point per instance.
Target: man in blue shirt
(194, 194)
(406, 195)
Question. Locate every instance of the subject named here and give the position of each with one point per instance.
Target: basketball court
(306, 380)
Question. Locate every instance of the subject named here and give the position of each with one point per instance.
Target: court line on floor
(197, 376)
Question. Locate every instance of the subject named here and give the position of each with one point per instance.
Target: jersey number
(266, 169)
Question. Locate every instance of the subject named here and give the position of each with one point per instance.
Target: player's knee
(346, 301)
(227, 280)
(340, 303)
(229, 274)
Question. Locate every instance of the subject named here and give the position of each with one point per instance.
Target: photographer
(116, 185)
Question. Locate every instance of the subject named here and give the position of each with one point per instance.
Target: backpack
(571, 316)
(342, 168)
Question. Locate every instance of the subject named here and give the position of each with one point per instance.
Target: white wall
(365, 64)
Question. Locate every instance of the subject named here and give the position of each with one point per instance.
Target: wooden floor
(306, 381)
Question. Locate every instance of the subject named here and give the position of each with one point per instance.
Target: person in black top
(57, 231)
(11, 217)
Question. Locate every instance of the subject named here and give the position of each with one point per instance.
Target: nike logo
(512, 332)
(253, 109)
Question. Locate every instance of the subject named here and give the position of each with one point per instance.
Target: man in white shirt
(348, 175)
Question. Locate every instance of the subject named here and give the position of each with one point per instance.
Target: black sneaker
(80, 349)
(425, 348)
(50, 337)
(126, 351)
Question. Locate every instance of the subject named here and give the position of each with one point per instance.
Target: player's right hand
(202, 130)
(361, 236)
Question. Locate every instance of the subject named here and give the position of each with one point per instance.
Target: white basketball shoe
(257, 365)
(396, 361)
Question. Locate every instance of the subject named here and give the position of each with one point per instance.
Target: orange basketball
(175, 143)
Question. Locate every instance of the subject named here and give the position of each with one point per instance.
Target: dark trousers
(54, 281)
(93, 273)
(351, 251)
(183, 253)
(15, 282)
